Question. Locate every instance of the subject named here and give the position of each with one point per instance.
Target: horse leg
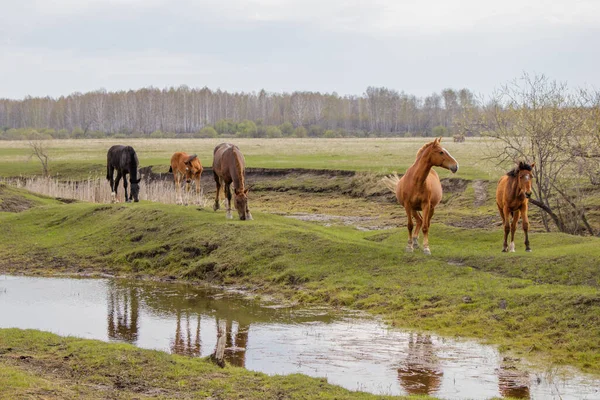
(506, 225)
(177, 180)
(111, 179)
(127, 199)
(409, 226)
(525, 227)
(198, 189)
(228, 194)
(218, 181)
(513, 228)
(187, 190)
(415, 237)
(117, 181)
(427, 214)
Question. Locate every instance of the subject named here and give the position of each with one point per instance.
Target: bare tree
(539, 120)
(39, 150)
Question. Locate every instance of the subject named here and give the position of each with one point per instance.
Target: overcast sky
(54, 48)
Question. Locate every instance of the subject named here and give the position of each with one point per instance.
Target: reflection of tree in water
(123, 313)
(189, 304)
(511, 381)
(235, 351)
(185, 342)
(419, 373)
(187, 339)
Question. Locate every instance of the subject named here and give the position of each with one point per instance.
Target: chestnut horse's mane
(515, 171)
(238, 168)
(425, 147)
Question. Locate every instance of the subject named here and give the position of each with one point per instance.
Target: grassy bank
(545, 304)
(40, 365)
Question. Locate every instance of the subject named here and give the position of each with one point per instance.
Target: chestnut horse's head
(241, 204)
(192, 166)
(439, 156)
(524, 178)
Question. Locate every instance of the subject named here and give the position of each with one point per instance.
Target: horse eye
(441, 152)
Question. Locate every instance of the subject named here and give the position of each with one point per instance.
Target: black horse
(125, 161)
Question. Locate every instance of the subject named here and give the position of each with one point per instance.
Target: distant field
(82, 158)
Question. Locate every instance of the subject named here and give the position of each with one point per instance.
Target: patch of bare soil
(476, 222)
(480, 188)
(360, 223)
(15, 204)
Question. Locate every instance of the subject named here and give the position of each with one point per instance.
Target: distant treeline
(185, 112)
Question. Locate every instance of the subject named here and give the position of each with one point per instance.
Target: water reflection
(357, 353)
(513, 382)
(185, 342)
(123, 313)
(420, 372)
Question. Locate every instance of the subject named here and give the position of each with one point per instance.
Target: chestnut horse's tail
(391, 182)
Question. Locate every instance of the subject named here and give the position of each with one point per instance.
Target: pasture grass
(552, 300)
(79, 159)
(39, 365)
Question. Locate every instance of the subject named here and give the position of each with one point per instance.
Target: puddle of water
(354, 352)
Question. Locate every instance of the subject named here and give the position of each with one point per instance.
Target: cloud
(55, 48)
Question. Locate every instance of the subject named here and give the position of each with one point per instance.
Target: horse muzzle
(528, 195)
(454, 168)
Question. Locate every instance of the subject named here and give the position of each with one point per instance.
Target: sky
(55, 48)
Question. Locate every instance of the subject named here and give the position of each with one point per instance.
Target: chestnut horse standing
(512, 194)
(228, 167)
(189, 167)
(420, 189)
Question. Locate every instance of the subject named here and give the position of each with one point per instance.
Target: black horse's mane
(515, 171)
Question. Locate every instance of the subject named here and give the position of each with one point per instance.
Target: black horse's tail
(171, 169)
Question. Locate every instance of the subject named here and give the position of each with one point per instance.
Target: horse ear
(440, 139)
(246, 190)
(532, 165)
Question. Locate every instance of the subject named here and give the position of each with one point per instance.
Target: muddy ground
(339, 197)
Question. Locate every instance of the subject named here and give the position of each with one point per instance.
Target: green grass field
(552, 293)
(81, 158)
(552, 312)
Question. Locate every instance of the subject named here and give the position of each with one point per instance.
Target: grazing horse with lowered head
(228, 167)
(512, 197)
(420, 190)
(125, 161)
(189, 167)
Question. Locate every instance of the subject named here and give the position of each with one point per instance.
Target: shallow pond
(350, 350)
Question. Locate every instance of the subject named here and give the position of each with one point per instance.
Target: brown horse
(420, 189)
(189, 167)
(512, 194)
(228, 167)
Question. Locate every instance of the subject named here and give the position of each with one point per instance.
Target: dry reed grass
(97, 190)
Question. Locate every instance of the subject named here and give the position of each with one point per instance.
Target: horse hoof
(409, 249)
(426, 251)
(229, 216)
(505, 250)
(528, 250)
(215, 208)
(249, 217)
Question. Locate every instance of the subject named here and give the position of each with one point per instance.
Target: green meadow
(543, 306)
(81, 158)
